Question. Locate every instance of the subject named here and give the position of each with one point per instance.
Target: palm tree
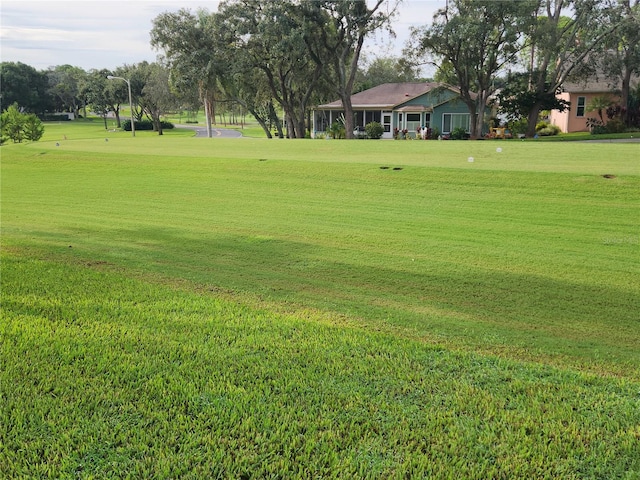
(599, 104)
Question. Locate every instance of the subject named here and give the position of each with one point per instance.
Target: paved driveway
(217, 132)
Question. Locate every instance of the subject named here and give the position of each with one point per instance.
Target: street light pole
(133, 126)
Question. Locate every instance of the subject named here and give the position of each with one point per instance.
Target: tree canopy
(477, 40)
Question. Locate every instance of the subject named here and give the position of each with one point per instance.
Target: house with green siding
(400, 107)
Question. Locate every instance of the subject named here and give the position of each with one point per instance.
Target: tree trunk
(274, 118)
(624, 94)
(207, 116)
(348, 116)
(261, 121)
(301, 129)
(476, 122)
(532, 120)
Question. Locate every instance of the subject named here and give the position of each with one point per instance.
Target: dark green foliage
(518, 126)
(458, 133)
(11, 124)
(24, 85)
(55, 117)
(337, 130)
(145, 125)
(373, 130)
(19, 126)
(33, 128)
(596, 127)
(517, 99)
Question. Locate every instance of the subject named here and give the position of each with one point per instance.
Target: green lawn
(175, 307)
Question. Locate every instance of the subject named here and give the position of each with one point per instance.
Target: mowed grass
(181, 307)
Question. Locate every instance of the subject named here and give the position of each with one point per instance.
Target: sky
(110, 33)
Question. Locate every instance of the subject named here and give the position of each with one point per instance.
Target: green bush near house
(336, 130)
(374, 130)
(545, 129)
(518, 126)
(615, 125)
(458, 133)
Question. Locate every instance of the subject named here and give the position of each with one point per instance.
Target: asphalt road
(217, 132)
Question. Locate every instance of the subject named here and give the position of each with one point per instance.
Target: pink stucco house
(580, 95)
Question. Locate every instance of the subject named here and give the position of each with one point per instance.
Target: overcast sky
(110, 33)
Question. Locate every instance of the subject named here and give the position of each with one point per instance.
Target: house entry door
(386, 125)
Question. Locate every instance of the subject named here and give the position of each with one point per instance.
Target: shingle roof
(590, 86)
(596, 84)
(387, 95)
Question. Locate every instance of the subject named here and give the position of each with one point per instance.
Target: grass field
(175, 307)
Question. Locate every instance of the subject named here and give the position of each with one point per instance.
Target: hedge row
(145, 125)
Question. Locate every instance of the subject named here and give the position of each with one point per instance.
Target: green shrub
(544, 129)
(33, 128)
(518, 126)
(615, 125)
(145, 125)
(18, 126)
(458, 133)
(374, 130)
(595, 126)
(337, 130)
(541, 125)
(11, 123)
(55, 117)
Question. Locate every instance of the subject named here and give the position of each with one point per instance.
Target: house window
(581, 106)
(372, 116)
(451, 121)
(414, 120)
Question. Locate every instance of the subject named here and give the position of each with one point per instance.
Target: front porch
(411, 118)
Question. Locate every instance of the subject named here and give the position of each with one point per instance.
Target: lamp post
(133, 126)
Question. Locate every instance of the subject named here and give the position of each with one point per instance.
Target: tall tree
(347, 24)
(477, 39)
(621, 50)
(22, 84)
(96, 93)
(516, 99)
(65, 83)
(248, 86)
(387, 69)
(191, 52)
(157, 98)
(278, 40)
(560, 45)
